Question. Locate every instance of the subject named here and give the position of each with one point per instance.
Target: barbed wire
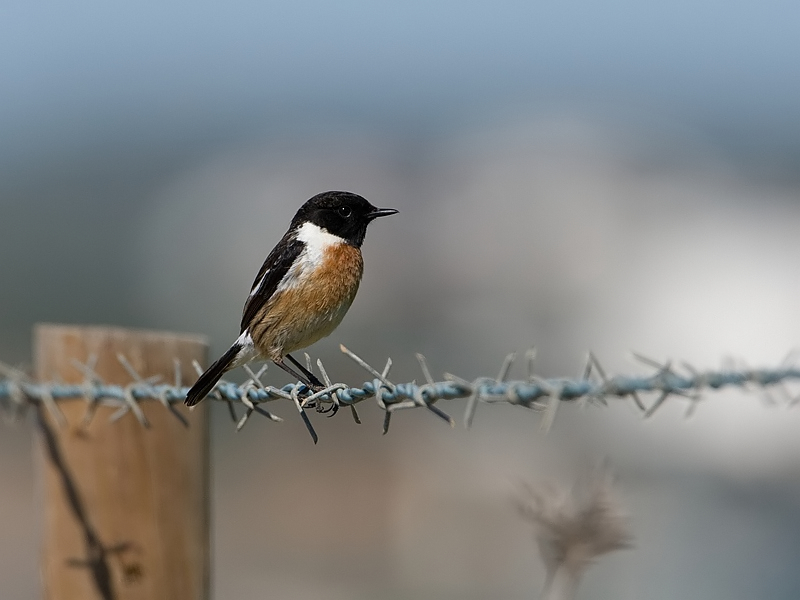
(18, 391)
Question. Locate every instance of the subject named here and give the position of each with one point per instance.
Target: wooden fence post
(126, 507)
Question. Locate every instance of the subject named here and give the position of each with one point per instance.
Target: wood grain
(126, 508)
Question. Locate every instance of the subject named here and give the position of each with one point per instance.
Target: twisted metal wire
(18, 391)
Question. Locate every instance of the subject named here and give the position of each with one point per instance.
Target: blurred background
(570, 175)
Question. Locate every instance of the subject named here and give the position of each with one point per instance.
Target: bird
(302, 291)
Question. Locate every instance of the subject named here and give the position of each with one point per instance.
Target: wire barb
(18, 391)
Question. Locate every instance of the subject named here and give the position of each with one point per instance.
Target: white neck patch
(317, 240)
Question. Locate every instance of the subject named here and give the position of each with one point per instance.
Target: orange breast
(312, 307)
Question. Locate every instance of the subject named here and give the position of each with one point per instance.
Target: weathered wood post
(126, 507)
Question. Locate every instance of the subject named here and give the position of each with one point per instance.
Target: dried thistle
(573, 527)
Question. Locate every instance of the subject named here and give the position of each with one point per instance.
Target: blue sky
(94, 70)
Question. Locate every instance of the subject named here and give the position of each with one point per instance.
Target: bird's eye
(344, 211)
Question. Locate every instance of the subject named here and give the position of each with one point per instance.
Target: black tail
(209, 379)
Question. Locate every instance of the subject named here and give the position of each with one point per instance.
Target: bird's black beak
(380, 212)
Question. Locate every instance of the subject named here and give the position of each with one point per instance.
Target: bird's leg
(312, 383)
(310, 377)
(303, 414)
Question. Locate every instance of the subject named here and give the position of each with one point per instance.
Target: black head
(342, 214)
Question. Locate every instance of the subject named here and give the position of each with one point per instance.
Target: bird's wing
(273, 270)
